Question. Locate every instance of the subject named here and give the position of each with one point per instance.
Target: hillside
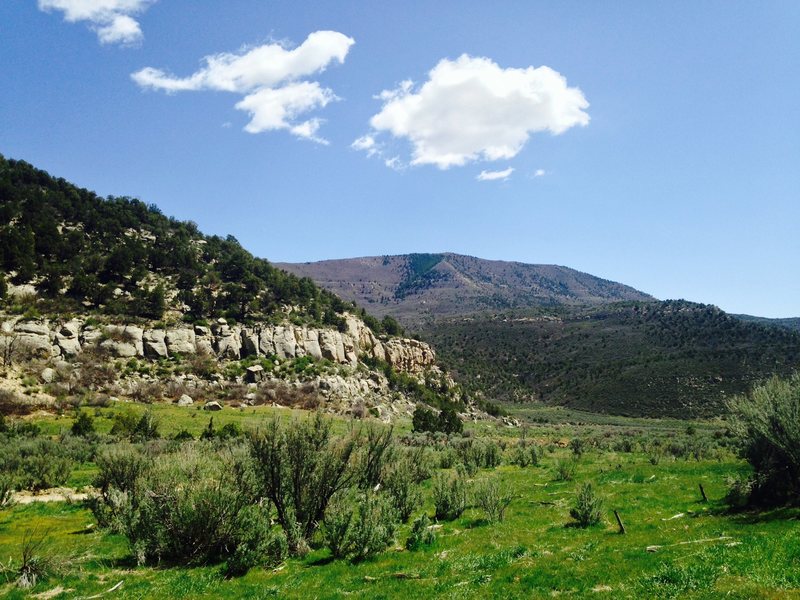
(107, 298)
(417, 288)
(792, 323)
(671, 358)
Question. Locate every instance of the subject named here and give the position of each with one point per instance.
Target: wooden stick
(703, 493)
(619, 522)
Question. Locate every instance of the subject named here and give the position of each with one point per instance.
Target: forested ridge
(672, 358)
(122, 256)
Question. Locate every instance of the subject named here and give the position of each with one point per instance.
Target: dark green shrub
(449, 496)
(448, 421)
(375, 449)
(254, 544)
(42, 464)
(422, 533)
(186, 508)
(588, 507)
(424, 419)
(83, 425)
(374, 526)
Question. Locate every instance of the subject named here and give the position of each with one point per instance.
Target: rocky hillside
(105, 298)
(418, 288)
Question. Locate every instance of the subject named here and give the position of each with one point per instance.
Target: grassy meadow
(676, 545)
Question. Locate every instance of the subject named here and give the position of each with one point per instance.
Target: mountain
(417, 288)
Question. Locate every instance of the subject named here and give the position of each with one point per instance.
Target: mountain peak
(421, 286)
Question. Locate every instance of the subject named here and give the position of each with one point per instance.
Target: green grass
(532, 554)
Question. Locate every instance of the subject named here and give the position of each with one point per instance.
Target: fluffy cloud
(495, 175)
(539, 173)
(110, 19)
(472, 109)
(267, 76)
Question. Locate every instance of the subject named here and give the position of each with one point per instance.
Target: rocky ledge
(44, 338)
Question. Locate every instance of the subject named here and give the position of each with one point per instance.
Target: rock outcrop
(44, 338)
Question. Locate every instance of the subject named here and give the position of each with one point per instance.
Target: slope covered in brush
(672, 358)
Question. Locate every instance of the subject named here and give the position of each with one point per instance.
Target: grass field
(676, 545)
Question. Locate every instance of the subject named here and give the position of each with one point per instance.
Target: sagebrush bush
(422, 533)
(401, 488)
(767, 425)
(449, 496)
(359, 525)
(299, 468)
(186, 507)
(588, 507)
(6, 489)
(492, 499)
(524, 454)
(565, 469)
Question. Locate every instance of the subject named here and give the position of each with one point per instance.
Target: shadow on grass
(321, 561)
(752, 516)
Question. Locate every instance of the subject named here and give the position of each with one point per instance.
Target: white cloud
(268, 77)
(539, 173)
(112, 20)
(495, 175)
(472, 109)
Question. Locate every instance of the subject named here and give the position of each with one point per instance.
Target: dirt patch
(50, 495)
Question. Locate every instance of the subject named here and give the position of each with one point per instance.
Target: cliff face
(51, 338)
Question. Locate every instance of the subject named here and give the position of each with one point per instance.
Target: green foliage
(492, 499)
(619, 358)
(588, 507)
(402, 489)
(7, 489)
(767, 423)
(565, 469)
(524, 454)
(83, 425)
(187, 507)
(449, 496)
(424, 419)
(92, 246)
(359, 525)
(422, 533)
(299, 467)
(254, 543)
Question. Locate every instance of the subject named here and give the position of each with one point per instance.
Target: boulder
(48, 375)
(254, 374)
(265, 343)
(332, 346)
(213, 406)
(70, 346)
(227, 342)
(285, 342)
(155, 345)
(180, 341)
(250, 344)
(311, 343)
(123, 341)
(186, 400)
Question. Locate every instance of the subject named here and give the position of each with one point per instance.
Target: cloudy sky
(655, 144)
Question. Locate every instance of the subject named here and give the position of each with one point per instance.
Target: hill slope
(419, 287)
(671, 358)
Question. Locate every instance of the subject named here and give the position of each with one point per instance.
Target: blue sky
(655, 144)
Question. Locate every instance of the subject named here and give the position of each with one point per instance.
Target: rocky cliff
(45, 338)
